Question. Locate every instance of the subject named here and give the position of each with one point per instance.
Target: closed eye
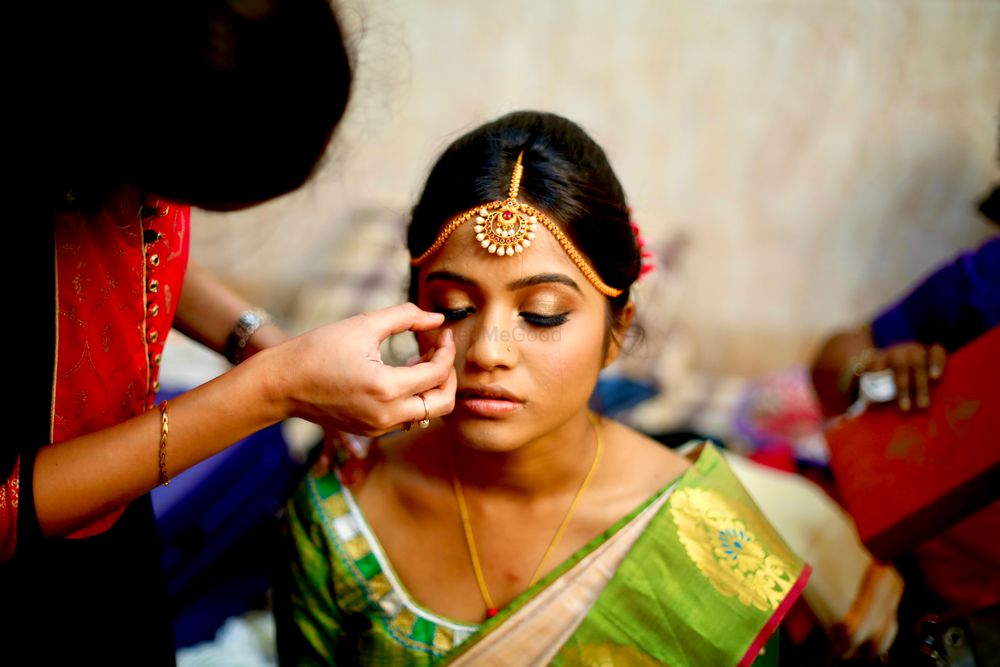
(545, 320)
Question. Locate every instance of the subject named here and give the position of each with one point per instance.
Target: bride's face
(531, 336)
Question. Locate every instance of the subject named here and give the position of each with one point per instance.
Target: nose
(491, 345)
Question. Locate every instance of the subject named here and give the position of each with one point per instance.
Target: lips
(489, 392)
(489, 401)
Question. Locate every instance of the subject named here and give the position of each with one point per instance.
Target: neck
(550, 464)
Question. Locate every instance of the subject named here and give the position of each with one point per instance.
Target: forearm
(208, 310)
(80, 480)
(332, 376)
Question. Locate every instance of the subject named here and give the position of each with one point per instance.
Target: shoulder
(641, 447)
(646, 464)
(407, 467)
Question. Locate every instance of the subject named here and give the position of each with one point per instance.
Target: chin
(485, 435)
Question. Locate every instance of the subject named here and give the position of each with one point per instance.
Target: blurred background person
(952, 578)
(948, 309)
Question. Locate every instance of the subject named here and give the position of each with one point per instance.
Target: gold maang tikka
(506, 227)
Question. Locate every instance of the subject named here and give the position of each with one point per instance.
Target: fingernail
(923, 401)
(904, 404)
(935, 372)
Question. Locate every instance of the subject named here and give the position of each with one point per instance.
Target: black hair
(566, 175)
(216, 103)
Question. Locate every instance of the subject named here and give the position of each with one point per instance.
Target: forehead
(463, 254)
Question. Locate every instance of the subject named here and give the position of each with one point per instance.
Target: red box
(905, 477)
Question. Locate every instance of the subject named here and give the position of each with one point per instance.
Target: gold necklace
(463, 510)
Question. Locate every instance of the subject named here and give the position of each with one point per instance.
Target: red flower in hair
(648, 257)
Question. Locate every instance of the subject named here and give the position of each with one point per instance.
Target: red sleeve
(9, 492)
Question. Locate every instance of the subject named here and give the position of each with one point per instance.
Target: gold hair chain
(506, 228)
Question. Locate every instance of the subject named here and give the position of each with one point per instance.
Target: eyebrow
(530, 281)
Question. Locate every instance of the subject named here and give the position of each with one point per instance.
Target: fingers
(404, 317)
(390, 398)
(905, 360)
(426, 375)
(375, 399)
(936, 361)
(433, 403)
(914, 367)
(878, 362)
(419, 415)
(432, 381)
(928, 366)
(441, 399)
(901, 374)
(921, 382)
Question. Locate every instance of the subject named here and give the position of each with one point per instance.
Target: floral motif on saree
(725, 547)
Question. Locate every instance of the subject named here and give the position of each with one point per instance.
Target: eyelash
(545, 320)
(454, 315)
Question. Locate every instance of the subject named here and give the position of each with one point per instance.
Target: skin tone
(915, 368)
(332, 376)
(530, 336)
(208, 308)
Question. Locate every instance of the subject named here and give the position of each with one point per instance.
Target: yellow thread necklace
(463, 510)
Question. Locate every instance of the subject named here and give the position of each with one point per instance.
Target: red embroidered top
(118, 279)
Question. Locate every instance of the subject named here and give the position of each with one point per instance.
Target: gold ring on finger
(426, 421)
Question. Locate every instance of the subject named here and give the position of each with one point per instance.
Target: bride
(523, 528)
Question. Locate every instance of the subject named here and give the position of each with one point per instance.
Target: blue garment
(952, 306)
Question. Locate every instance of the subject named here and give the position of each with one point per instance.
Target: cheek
(462, 332)
(568, 362)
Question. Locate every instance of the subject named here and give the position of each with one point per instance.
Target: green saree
(695, 576)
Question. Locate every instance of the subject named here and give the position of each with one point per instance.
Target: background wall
(797, 163)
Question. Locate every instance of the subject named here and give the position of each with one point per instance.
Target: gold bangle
(164, 430)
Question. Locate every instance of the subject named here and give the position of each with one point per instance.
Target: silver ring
(426, 421)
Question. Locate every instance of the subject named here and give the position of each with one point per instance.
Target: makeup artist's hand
(334, 375)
